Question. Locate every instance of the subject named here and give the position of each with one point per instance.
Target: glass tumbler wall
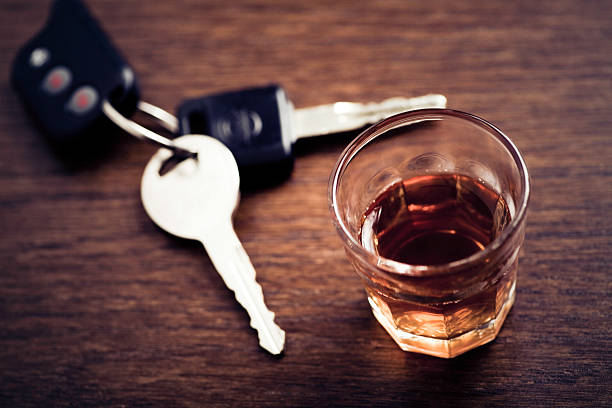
(431, 206)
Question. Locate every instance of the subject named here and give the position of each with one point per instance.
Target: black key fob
(254, 123)
(65, 72)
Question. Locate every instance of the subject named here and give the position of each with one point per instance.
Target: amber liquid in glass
(435, 220)
(432, 220)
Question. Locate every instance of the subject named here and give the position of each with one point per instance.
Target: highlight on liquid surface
(433, 219)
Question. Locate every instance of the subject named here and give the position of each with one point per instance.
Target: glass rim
(407, 118)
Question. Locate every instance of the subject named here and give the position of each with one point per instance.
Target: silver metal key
(196, 200)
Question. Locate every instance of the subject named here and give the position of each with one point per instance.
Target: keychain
(74, 83)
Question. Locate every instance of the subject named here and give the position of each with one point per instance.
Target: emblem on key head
(239, 126)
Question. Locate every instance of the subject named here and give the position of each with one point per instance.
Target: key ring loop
(166, 119)
(142, 133)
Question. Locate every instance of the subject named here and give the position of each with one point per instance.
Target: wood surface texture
(99, 307)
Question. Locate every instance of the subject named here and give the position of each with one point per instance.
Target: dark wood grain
(98, 307)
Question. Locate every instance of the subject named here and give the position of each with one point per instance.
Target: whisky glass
(441, 309)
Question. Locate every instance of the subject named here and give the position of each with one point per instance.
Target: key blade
(344, 116)
(233, 264)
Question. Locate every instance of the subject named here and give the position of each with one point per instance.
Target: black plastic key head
(65, 72)
(254, 123)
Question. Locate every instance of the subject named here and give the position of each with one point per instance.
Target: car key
(195, 200)
(260, 125)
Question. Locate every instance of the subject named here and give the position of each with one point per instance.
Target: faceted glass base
(445, 348)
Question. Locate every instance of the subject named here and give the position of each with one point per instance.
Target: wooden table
(99, 307)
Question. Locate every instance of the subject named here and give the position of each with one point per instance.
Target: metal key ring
(166, 119)
(142, 133)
